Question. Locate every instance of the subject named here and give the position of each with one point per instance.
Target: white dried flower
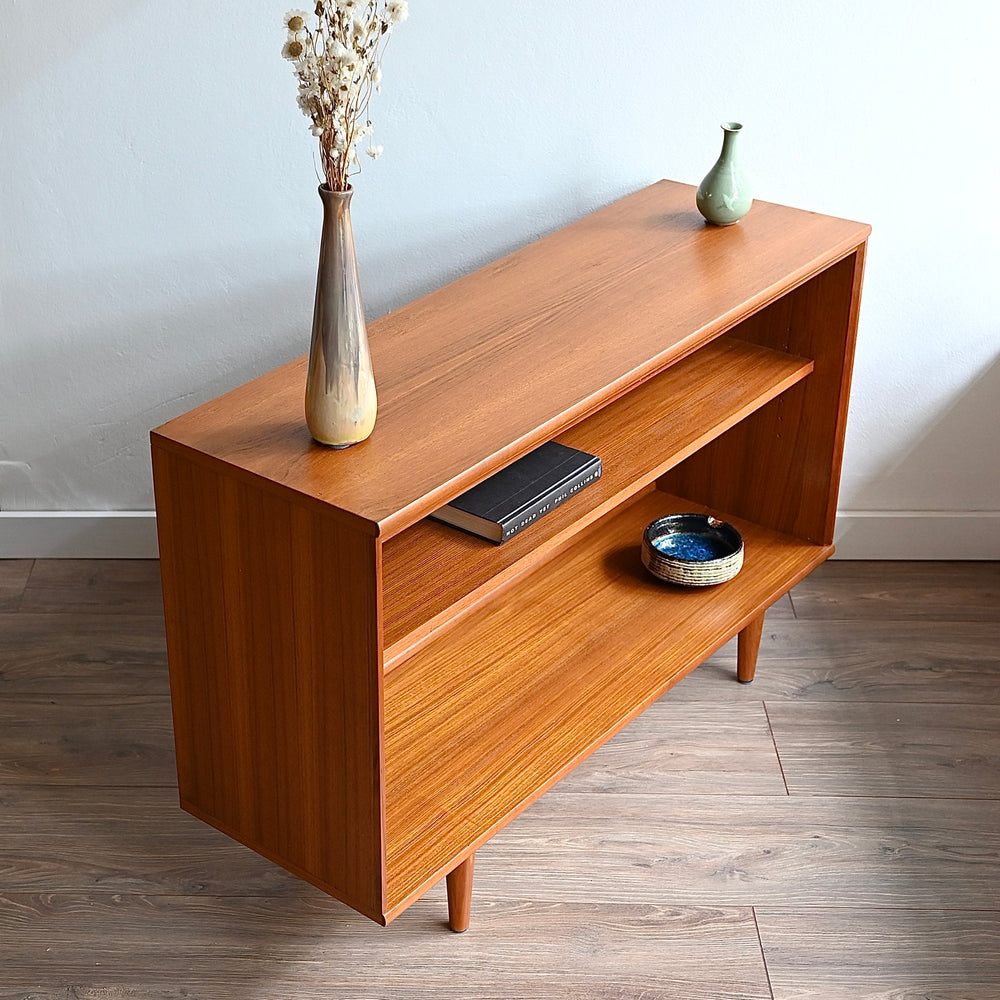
(308, 103)
(294, 49)
(397, 11)
(296, 21)
(339, 51)
(338, 65)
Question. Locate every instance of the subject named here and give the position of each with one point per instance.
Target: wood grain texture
(939, 591)
(595, 892)
(644, 271)
(747, 647)
(843, 954)
(459, 884)
(736, 850)
(86, 739)
(431, 570)
(781, 609)
(861, 661)
(283, 585)
(80, 653)
(96, 586)
(274, 669)
(14, 575)
(585, 647)
(931, 751)
(312, 948)
(797, 441)
(678, 747)
(110, 839)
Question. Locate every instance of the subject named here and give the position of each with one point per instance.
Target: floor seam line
(763, 956)
(777, 753)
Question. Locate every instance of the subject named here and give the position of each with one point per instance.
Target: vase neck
(730, 133)
(337, 216)
(331, 198)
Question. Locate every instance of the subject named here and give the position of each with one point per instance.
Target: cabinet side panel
(272, 628)
(195, 613)
(781, 466)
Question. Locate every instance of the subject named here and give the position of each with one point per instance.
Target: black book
(523, 492)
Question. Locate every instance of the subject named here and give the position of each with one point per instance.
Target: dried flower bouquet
(338, 65)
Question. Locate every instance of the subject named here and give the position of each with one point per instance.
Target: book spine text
(547, 503)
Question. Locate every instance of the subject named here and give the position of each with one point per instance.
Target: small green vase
(724, 195)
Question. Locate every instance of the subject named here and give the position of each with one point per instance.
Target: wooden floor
(832, 830)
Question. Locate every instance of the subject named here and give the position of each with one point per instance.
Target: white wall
(159, 220)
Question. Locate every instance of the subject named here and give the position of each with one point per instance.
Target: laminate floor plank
(311, 947)
(781, 609)
(14, 575)
(871, 661)
(98, 586)
(56, 839)
(675, 850)
(677, 747)
(843, 748)
(727, 850)
(899, 954)
(645, 873)
(86, 740)
(901, 591)
(82, 654)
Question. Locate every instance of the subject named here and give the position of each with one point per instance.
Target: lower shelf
(483, 719)
(430, 570)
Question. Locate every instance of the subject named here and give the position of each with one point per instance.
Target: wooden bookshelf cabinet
(364, 695)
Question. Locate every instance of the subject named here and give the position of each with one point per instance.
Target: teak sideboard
(364, 695)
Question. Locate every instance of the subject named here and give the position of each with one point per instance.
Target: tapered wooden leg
(747, 646)
(460, 895)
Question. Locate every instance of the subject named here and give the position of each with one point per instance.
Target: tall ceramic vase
(724, 195)
(340, 388)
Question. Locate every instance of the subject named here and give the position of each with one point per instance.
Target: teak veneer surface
(514, 695)
(431, 569)
(792, 481)
(477, 373)
(274, 675)
(366, 697)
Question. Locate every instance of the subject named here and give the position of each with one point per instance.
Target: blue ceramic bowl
(695, 550)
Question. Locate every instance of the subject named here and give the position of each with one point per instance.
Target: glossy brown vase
(340, 389)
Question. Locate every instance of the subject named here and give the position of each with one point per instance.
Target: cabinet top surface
(475, 374)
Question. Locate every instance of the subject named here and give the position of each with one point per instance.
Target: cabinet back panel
(781, 466)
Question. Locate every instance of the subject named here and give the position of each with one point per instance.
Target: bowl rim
(713, 525)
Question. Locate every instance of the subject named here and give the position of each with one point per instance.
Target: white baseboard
(78, 534)
(131, 534)
(917, 534)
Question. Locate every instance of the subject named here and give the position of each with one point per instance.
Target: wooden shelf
(586, 646)
(432, 572)
(364, 696)
(479, 372)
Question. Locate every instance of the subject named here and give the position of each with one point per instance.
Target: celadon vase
(340, 386)
(724, 195)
